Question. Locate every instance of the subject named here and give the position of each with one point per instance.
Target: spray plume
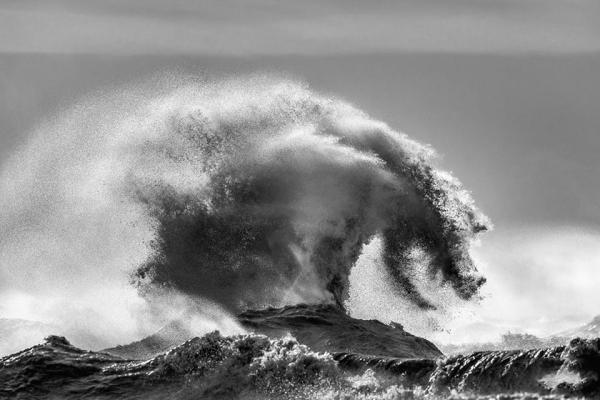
(246, 192)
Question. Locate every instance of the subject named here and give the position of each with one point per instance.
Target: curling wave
(246, 193)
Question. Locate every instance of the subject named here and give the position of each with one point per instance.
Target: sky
(307, 27)
(507, 91)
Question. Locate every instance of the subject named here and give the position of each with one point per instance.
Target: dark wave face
(288, 187)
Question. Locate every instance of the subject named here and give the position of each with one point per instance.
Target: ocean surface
(308, 352)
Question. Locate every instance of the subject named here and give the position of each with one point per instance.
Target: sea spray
(287, 188)
(241, 193)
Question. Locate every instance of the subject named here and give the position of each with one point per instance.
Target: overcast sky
(298, 27)
(508, 92)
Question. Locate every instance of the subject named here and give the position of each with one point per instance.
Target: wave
(245, 192)
(254, 366)
(324, 328)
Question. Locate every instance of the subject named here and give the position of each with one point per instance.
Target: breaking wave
(246, 192)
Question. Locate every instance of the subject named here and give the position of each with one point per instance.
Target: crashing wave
(286, 186)
(243, 193)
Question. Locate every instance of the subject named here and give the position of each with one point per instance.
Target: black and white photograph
(300, 199)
